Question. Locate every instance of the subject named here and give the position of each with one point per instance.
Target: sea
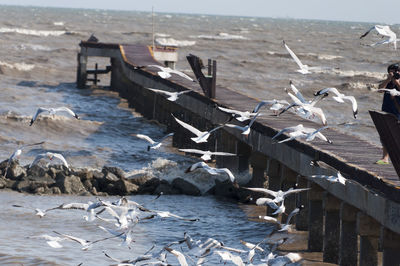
(38, 62)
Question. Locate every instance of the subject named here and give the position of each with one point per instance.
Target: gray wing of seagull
(38, 158)
(297, 93)
(353, 104)
(242, 116)
(166, 136)
(225, 255)
(267, 201)
(288, 129)
(165, 214)
(38, 112)
(393, 92)
(317, 133)
(263, 190)
(262, 103)
(226, 171)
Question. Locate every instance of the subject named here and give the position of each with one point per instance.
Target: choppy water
(37, 68)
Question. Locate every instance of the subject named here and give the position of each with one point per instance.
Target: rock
(46, 179)
(115, 170)
(185, 187)
(37, 171)
(3, 183)
(23, 185)
(226, 189)
(146, 183)
(16, 171)
(121, 187)
(56, 190)
(87, 184)
(165, 188)
(40, 190)
(69, 184)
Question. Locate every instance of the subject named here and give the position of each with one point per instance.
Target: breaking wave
(43, 33)
(173, 42)
(222, 36)
(18, 66)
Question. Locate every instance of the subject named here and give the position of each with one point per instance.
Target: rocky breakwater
(57, 179)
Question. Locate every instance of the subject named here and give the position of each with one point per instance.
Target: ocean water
(38, 68)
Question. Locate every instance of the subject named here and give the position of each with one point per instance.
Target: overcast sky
(381, 11)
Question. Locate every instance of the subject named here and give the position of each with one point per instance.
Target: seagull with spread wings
(165, 72)
(340, 97)
(246, 129)
(172, 96)
(211, 170)
(153, 144)
(50, 156)
(206, 155)
(52, 111)
(385, 31)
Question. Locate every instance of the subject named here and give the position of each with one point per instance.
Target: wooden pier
(349, 223)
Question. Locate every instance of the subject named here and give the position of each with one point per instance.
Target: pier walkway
(366, 209)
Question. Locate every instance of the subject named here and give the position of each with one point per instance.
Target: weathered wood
(206, 83)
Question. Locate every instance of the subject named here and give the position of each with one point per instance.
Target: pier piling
(315, 218)
(348, 248)
(331, 228)
(369, 231)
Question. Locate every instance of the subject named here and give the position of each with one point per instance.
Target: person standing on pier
(391, 103)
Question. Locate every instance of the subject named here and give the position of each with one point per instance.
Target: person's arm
(384, 83)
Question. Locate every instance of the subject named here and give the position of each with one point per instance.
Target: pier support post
(369, 231)
(332, 228)
(81, 75)
(259, 165)
(227, 143)
(244, 153)
(348, 248)
(289, 179)
(391, 248)
(315, 218)
(301, 199)
(274, 178)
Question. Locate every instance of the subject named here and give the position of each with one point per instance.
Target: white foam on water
(58, 23)
(18, 66)
(44, 33)
(222, 36)
(173, 42)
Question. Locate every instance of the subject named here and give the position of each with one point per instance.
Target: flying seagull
(240, 116)
(50, 156)
(211, 170)
(246, 129)
(52, 111)
(153, 144)
(340, 97)
(172, 96)
(206, 155)
(202, 136)
(384, 31)
(165, 72)
(392, 92)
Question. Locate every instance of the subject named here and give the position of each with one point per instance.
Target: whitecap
(34, 47)
(222, 36)
(325, 56)
(58, 23)
(44, 33)
(18, 66)
(173, 42)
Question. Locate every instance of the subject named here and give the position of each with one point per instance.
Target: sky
(378, 11)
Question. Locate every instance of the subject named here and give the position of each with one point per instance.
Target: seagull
(211, 170)
(86, 244)
(278, 195)
(206, 155)
(16, 154)
(300, 131)
(308, 134)
(267, 201)
(38, 212)
(166, 72)
(338, 178)
(52, 241)
(50, 156)
(268, 219)
(384, 31)
(202, 136)
(392, 92)
(287, 226)
(52, 111)
(240, 116)
(273, 260)
(340, 97)
(246, 129)
(225, 255)
(181, 258)
(172, 96)
(125, 236)
(154, 145)
(165, 214)
(304, 69)
(276, 105)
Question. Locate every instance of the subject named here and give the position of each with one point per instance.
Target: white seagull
(181, 258)
(50, 156)
(52, 111)
(172, 96)
(392, 92)
(275, 105)
(240, 116)
(153, 144)
(304, 69)
(340, 97)
(338, 178)
(384, 31)
(17, 153)
(202, 136)
(246, 129)
(211, 170)
(52, 241)
(300, 131)
(165, 72)
(206, 155)
(287, 226)
(279, 195)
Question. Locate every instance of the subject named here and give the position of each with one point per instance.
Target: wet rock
(114, 170)
(40, 190)
(23, 185)
(15, 171)
(3, 183)
(10, 183)
(226, 189)
(185, 187)
(87, 184)
(45, 180)
(166, 189)
(69, 184)
(121, 187)
(55, 190)
(85, 174)
(37, 171)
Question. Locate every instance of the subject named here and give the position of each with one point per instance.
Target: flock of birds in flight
(125, 214)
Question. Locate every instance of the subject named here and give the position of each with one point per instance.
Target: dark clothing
(388, 104)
